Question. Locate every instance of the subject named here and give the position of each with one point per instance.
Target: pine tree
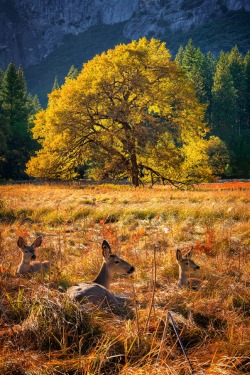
(199, 69)
(34, 104)
(179, 56)
(208, 71)
(1, 76)
(15, 119)
(247, 74)
(9, 83)
(237, 70)
(20, 128)
(3, 131)
(56, 85)
(73, 72)
(189, 57)
(229, 107)
(224, 100)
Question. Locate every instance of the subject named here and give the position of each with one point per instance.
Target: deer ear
(38, 241)
(189, 253)
(106, 250)
(21, 242)
(178, 255)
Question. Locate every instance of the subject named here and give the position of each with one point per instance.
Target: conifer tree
(15, 118)
(199, 69)
(179, 56)
(56, 85)
(208, 71)
(3, 131)
(20, 128)
(73, 72)
(246, 135)
(224, 100)
(247, 74)
(1, 76)
(230, 107)
(237, 71)
(9, 83)
(34, 104)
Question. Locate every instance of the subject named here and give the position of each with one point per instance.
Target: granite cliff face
(31, 29)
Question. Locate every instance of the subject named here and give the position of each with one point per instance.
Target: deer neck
(104, 276)
(183, 277)
(24, 265)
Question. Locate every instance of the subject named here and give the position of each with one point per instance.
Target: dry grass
(42, 332)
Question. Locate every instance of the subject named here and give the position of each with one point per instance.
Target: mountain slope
(217, 35)
(75, 50)
(31, 30)
(48, 36)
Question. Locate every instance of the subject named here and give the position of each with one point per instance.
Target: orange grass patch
(227, 185)
(144, 226)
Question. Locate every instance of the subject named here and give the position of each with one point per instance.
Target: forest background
(222, 84)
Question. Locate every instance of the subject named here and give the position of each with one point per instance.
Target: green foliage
(229, 118)
(247, 73)
(224, 87)
(224, 98)
(73, 72)
(56, 84)
(199, 69)
(218, 155)
(16, 108)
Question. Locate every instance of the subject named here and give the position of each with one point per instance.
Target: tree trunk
(134, 169)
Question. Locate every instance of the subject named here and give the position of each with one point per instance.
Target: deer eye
(117, 261)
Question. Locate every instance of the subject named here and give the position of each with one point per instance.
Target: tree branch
(164, 179)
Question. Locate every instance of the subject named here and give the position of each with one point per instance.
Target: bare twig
(153, 291)
(180, 341)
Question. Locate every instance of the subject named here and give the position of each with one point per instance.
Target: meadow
(43, 332)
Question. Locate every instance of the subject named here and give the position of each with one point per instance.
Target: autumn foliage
(131, 113)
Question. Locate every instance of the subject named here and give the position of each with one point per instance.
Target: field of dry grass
(42, 332)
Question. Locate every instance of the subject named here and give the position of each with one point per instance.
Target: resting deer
(186, 264)
(97, 291)
(28, 255)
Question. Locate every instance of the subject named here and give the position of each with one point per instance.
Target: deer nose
(33, 257)
(197, 267)
(131, 270)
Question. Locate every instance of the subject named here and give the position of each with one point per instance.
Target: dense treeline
(17, 109)
(222, 84)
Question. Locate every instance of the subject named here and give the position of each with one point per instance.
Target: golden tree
(130, 112)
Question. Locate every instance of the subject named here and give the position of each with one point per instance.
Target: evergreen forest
(222, 87)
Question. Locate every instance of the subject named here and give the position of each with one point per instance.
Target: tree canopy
(131, 112)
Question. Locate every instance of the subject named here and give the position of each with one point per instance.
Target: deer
(186, 264)
(27, 264)
(97, 291)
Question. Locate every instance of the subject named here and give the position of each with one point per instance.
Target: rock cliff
(31, 29)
